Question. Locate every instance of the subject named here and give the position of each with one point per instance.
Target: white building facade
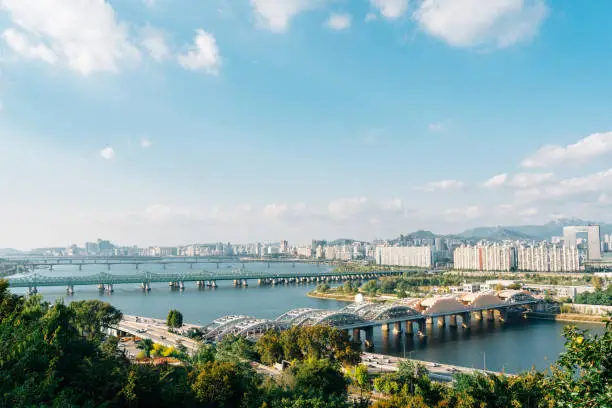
(421, 257)
(485, 257)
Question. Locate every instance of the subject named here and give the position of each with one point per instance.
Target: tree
(91, 316)
(146, 345)
(597, 283)
(361, 379)
(235, 349)
(322, 288)
(582, 375)
(174, 319)
(269, 348)
(221, 384)
(318, 378)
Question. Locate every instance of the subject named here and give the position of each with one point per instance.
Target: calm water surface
(512, 347)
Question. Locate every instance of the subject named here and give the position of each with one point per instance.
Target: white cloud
(391, 9)
(276, 15)
(504, 209)
(530, 180)
(436, 127)
(275, 210)
(108, 153)
(460, 214)
(370, 17)
(496, 181)
(145, 143)
(581, 187)
(344, 208)
(154, 41)
(467, 23)
(21, 44)
(597, 144)
(339, 21)
(528, 212)
(82, 34)
(203, 54)
(442, 185)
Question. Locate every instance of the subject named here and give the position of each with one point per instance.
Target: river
(512, 347)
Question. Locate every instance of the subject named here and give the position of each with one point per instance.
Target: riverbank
(332, 296)
(341, 297)
(568, 317)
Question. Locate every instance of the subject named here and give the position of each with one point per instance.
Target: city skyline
(257, 120)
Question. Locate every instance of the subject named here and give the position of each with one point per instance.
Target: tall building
(421, 257)
(593, 239)
(284, 246)
(548, 258)
(485, 257)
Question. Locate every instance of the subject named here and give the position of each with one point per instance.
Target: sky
(168, 122)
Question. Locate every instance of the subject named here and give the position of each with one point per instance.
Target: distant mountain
(9, 252)
(421, 234)
(341, 241)
(496, 234)
(534, 232)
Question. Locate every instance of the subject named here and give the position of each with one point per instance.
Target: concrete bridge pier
(429, 321)
(70, 290)
(213, 284)
(441, 321)
(145, 286)
(503, 315)
(101, 287)
(452, 321)
(80, 267)
(357, 335)
(478, 315)
(369, 337)
(181, 285)
(422, 328)
(397, 327)
(244, 283)
(32, 290)
(465, 317)
(409, 331)
(490, 314)
(385, 329)
(109, 288)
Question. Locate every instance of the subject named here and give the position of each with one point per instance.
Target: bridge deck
(37, 280)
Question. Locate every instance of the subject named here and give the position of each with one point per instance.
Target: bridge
(364, 316)
(33, 263)
(106, 281)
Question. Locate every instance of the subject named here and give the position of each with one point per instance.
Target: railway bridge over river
(240, 277)
(365, 316)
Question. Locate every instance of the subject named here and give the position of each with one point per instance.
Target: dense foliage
(301, 343)
(174, 319)
(599, 297)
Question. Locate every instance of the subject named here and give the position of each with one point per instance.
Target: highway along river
(513, 347)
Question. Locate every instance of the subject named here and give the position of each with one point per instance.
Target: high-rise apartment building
(548, 258)
(421, 257)
(485, 257)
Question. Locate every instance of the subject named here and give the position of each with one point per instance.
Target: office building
(593, 239)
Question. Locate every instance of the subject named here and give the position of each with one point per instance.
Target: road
(156, 330)
(379, 363)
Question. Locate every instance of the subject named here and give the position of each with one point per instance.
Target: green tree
(269, 348)
(582, 376)
(322, 288)
(222, 384)
(174, 319)
(146, 345)
(361, 380)
(91, 316)
(235, 349)
(314, 378)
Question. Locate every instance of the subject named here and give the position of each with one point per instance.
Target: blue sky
(170, 122)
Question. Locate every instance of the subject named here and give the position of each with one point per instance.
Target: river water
(513, 347)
